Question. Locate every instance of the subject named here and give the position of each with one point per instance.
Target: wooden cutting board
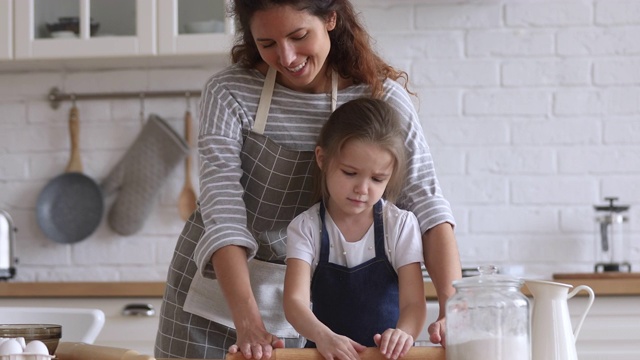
(415, 353)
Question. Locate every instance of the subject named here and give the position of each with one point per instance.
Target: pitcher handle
(592, 295)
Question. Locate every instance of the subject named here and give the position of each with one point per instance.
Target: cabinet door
(192, 27)
(6, 30)
(84, 28)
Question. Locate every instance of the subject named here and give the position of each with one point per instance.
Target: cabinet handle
(138, 310)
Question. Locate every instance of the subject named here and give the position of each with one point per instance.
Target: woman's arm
(254, 341)
(442, 261)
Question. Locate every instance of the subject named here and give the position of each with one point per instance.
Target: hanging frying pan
(70, 206)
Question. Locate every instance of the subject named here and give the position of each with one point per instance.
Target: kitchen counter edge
(602, 287)
(81, 289)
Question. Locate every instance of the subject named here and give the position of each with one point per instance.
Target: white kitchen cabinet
(126, 28)
(611, 329)
(6, 29)
(194, 27)
(123, 331)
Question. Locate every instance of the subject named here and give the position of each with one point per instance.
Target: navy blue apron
(356, 302)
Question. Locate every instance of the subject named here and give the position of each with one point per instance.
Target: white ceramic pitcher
(552, 334)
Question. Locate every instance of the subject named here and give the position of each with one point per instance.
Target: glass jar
(488, 317)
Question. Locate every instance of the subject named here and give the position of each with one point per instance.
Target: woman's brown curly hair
(351, 54)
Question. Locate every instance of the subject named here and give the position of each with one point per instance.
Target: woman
(295, 61)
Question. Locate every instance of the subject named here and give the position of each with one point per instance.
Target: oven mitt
(140, 174)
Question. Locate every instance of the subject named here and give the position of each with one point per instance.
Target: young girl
(354, 255)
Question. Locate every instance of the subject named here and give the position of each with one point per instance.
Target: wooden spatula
(187, 198)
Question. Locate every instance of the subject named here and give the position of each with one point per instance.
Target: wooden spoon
(187, 199)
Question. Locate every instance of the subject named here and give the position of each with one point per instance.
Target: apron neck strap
(265, 101)
(267, 93)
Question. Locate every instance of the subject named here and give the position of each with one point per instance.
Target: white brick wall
(531, 109)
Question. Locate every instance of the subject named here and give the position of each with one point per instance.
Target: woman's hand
(339, 347)
(256, 346)
(393, 343)
(437, 332)
(252, 338)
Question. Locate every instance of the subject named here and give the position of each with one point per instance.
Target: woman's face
(296, 44)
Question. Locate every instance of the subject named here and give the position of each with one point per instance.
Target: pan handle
(75, 163)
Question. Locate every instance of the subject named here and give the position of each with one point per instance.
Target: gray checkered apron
(278, 184)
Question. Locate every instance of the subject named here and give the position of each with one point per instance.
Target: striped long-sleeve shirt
(228, 105)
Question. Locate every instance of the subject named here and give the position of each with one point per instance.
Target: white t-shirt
(403, 242)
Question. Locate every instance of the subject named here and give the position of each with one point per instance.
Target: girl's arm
(413, 306)
(297, 299)
(395, 343)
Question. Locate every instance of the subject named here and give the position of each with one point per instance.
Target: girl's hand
(259, 347)
(339, 347)
(393, 343)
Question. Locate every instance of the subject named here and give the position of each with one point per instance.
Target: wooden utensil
(415, 353)
(187, 198)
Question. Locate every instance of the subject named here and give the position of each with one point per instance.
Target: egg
(10, 347)
(36, 347)
(21, 341)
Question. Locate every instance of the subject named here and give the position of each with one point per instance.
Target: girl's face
(356, 179)
(296, 44)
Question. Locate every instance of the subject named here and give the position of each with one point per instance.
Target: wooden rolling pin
(82, 351)
(415, 353)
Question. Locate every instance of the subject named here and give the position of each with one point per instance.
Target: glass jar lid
(488, 277)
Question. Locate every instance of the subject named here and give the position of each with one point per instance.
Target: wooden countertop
(81, 289)
(625, 284)
(605, 286)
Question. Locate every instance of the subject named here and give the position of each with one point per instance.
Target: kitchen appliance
(611, 242)
(8, 259)
(488, 315)
(552, 335)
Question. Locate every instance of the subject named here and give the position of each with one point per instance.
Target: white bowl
(64, 34)
(200, 27)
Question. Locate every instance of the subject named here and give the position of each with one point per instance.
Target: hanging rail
(56, 96)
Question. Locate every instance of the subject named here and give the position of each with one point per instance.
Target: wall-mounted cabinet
(193, 27)
(111, 29)
(6, 29)
(49, 29)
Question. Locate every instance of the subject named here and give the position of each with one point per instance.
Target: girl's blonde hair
(368, 120)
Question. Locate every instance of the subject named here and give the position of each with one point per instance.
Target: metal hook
(188, 98)
(142, 108)
(73, 99)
